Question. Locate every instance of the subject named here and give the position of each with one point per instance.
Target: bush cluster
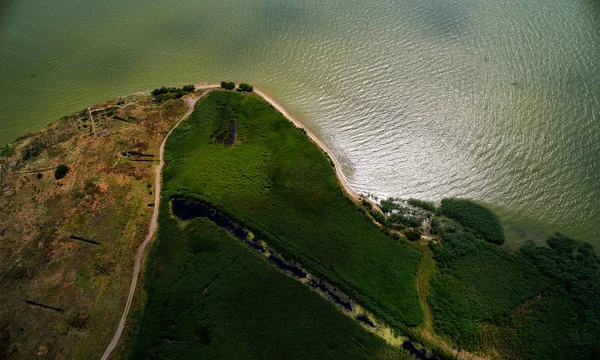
(227, 85)
(476, 218)
(167, 93)
(61, 171)
(245, 87)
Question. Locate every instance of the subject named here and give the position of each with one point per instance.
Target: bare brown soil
(70, 244)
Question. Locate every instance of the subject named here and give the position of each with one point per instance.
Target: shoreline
(342, 180)
(315, 139)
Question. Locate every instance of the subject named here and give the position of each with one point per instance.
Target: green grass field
(210, 297)
(277, 182)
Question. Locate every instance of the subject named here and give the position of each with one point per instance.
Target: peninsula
(259, 248)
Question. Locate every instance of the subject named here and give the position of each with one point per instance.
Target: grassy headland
(276, 181)
(243, 157)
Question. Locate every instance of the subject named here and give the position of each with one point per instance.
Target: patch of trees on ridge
(168, 93)
(230, 85)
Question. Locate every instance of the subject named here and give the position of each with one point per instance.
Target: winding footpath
(191, 102)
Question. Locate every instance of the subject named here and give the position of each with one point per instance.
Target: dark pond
(325, 288)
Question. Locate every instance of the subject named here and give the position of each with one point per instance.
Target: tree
(245, 87)
(412, 234)
(189, 88)
(61, 171)
(227, 85)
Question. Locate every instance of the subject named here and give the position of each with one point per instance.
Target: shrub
(167, 93)
(412, 234)
(387, 206)
(245, 87)
(188, 88)
(426, 205)
(367, 204)
(39, 176)
(61, 171)
(481, 220)
(228, 85)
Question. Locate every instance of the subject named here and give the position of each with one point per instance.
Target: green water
(494, 100)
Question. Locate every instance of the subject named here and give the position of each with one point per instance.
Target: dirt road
(191, 102)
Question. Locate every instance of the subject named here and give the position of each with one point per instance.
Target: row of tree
(230, 85)
(167, 93)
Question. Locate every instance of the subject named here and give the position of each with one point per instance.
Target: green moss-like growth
(61, 171)
(481, 220)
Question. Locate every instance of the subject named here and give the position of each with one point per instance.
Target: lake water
(493, 100)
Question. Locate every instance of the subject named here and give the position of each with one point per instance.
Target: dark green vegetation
(540, 303)
(412, 234)
(277, 182)
(211, 297)
(61, 171)
(399, 215)
(227, 85)
(475, 217)
(245, 87)
(426, 205)
(168, 93)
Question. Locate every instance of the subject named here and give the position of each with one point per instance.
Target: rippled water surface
(494, 100)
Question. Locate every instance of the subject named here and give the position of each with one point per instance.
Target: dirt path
(191, 102)
(424, 272)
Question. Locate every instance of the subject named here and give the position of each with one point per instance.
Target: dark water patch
(365, 320)
(422, 354)
(186, 209)
(48, 307)
(79, 238)
(287, 267)
(226, 132)
(332, 293)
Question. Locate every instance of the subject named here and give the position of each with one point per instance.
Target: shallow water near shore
(497, 101)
